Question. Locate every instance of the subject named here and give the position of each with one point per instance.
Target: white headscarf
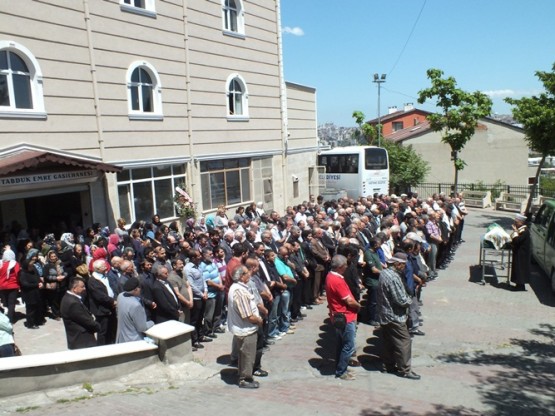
(8, 256)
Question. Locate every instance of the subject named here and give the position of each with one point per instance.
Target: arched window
(20, 82)
(233, 16)
(237, 97)
(144, 92)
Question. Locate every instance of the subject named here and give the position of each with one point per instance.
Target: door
(54, 213)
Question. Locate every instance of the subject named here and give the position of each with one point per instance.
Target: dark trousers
(306, 297)
(371, 302)
(34, 314)
(396, 347)
(197, 313)
(296, 298)
(108, 327)
(9, 299)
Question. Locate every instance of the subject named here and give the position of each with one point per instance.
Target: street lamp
(379, 80)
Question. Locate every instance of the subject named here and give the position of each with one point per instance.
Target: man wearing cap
(520, 236)
(393, 303)
(132, 322)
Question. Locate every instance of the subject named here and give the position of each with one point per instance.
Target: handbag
(51, 285)
(339, 320)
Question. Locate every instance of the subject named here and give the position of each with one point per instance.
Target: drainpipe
(283, 108)
(192, 169)
(98, 118)
(94, 80)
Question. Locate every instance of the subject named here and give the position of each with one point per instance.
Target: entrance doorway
(54, 213)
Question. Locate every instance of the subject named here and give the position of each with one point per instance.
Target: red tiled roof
(25, 159)
(412, 131)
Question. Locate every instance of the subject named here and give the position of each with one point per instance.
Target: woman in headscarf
(31, 284)
(9, 282)
(113, 246)
(99, 253)
(54, 279)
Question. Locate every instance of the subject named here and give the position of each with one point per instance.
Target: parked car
(542, 233)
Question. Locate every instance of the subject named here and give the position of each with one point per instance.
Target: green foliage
(537, 116)
(88, 387)
(366, 133)
(184, 206)
(406, 167)
(547, 186)
(495, 189)
(459, 112)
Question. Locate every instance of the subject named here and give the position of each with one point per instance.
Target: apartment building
(107, 105)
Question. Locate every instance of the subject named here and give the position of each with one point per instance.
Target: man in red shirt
(341, 301)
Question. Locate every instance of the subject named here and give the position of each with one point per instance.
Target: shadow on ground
(521, 383)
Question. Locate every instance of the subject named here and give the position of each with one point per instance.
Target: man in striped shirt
(243, 320)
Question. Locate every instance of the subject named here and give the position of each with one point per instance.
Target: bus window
(340, 163)
(375, 159)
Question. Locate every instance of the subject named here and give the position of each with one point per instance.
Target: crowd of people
(254, 274)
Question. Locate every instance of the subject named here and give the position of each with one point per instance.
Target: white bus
(358, 170)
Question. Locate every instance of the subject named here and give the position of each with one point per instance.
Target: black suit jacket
(100, 302)
(167, 308)
(79, 323)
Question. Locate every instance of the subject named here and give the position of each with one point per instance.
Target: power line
(400, 93)
(408, 39)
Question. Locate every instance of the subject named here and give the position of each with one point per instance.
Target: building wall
(496, 152)
(85, 49)
(412, 118)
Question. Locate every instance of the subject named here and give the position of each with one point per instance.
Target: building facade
(125, 100)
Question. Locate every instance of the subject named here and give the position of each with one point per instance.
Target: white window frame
(226, 16)
(244, 116)
(177, 179)
(35, 73)
(148, 10)
(205, 180)
(157, 113)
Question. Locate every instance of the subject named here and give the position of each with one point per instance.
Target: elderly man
(343, 310)
(132, 322)
(79, 323)
(102, 303)
(243, 322)
(393, 304)
(167, 304)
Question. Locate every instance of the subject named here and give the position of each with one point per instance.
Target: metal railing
(428, 189)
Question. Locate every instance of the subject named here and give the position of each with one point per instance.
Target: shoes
(219, 331)
(411, 375)
(194, 349)
(269, 342)
(290, 331)
(389, 370)
(303, 308)
(416, 332)
(244, 384)
(213, 336)
(294, 320)
(260, 373)
(346, 376)
(518, 288)
(354, 363)
(233, 363)
(374, 323)
(309, 307)
(275, 337)
(421, 323)
(198, 345)
(318, 302)
(265, 348)
(292, 326)
(205, 339)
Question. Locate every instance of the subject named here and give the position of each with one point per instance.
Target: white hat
(520, 217)
(414, 237)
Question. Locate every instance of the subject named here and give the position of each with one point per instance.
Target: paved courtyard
(487, 350)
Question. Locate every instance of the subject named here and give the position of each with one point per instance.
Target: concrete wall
(497, 151)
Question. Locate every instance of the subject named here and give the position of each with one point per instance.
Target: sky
(335, 46)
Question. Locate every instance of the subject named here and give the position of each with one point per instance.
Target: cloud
(500, 93)
(296, 31)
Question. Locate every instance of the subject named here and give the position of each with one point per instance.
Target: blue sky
(494, 46)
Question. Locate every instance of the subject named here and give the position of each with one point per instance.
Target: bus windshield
(375, 158)
(347, 163)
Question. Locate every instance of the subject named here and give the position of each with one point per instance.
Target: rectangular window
(225, 182)
(144, 192)
(397, 125)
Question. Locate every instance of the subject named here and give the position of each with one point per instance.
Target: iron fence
(428, 189)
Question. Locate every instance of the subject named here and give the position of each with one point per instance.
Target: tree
(460, 112)
(406, 167)
(366, 133)
(537, 116)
